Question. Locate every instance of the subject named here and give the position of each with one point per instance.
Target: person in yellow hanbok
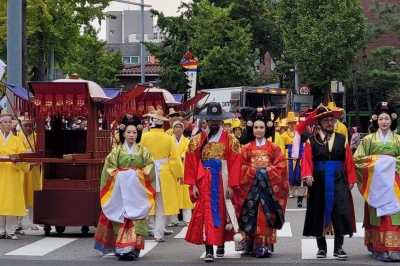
(172, 113)
(12, 203)
(169, 169)
(185, 203)
(33, 179)
(295, 187)
(227, 125)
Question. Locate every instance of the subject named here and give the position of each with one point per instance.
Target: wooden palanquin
(72, 160)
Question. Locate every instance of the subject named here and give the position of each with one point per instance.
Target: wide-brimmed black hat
(214, 112)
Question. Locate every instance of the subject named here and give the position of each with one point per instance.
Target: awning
(178, 97)
(18, 90)
(200, 95)
(112, 92)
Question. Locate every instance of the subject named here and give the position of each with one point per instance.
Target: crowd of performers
(237, 175)
(231, 179)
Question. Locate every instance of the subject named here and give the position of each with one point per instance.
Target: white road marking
(286, 231)
(296, 210)
(230, 252)
(309, 249)
(360, 230)
(182, 233)
(42, 247)
(149, 245)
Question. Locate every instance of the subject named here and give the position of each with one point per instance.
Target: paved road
(71, 249)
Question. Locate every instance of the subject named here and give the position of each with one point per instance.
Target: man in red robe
(328, 169)
(212, 167)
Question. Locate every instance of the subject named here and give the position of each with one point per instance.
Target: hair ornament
(122, 127)
(270, 124)
(139, 127)
(393, 116)
(249, 123)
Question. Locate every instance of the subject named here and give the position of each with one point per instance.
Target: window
(148, 58)
(130, 59)
(126, 59)
(155, 35)
(112, 32)
(134, 59)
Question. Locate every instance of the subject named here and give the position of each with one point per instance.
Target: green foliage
(91, 61)
(56, 25)
(221, 44)
(322, 36)
(382, 79)
(260, 16)
(388, 15)
(225, 55)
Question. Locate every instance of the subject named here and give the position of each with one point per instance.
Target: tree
(222, 46)
(322, 37)
(260, 15)
(92, 61)
(53, 25)
(383, 78)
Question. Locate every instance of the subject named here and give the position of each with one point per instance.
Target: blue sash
(294, 172)
(329, 167)
(260, 193)
(215, 168)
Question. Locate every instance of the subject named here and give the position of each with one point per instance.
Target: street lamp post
(142, 59)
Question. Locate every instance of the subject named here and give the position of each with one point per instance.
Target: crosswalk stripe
(230, 252)
(360, 230)
(286, 231)
(309, 249)
(182, 233)
(41, 247)
(149, 245)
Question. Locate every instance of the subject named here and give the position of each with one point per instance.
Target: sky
(169, 7)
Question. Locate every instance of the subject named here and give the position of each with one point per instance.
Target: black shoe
(339, 253)
(321, 254)
(220, 252)
(299, 204)
(209, 258)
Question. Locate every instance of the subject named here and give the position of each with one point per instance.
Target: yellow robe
(163, 146)
(169, 132)
(288, 138)
(341, 128)
(33, 179)
(12, 201)
(183, 190)
(279, 142)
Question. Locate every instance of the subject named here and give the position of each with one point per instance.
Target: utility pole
(142, 50)
(14, 47)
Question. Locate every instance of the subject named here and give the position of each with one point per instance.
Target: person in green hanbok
(126, 193)
(378, 163)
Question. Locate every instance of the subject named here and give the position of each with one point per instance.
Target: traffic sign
(304, 89)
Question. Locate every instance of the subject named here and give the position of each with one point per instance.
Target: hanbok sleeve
(307, 166)
(192, 161)
(20, 148)
(148, 166)
(277, 168)
(279, 141)
(247, 171)
(110, 164)
(349, 166)
(174, 160)
(233, 161)
(360, 159)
